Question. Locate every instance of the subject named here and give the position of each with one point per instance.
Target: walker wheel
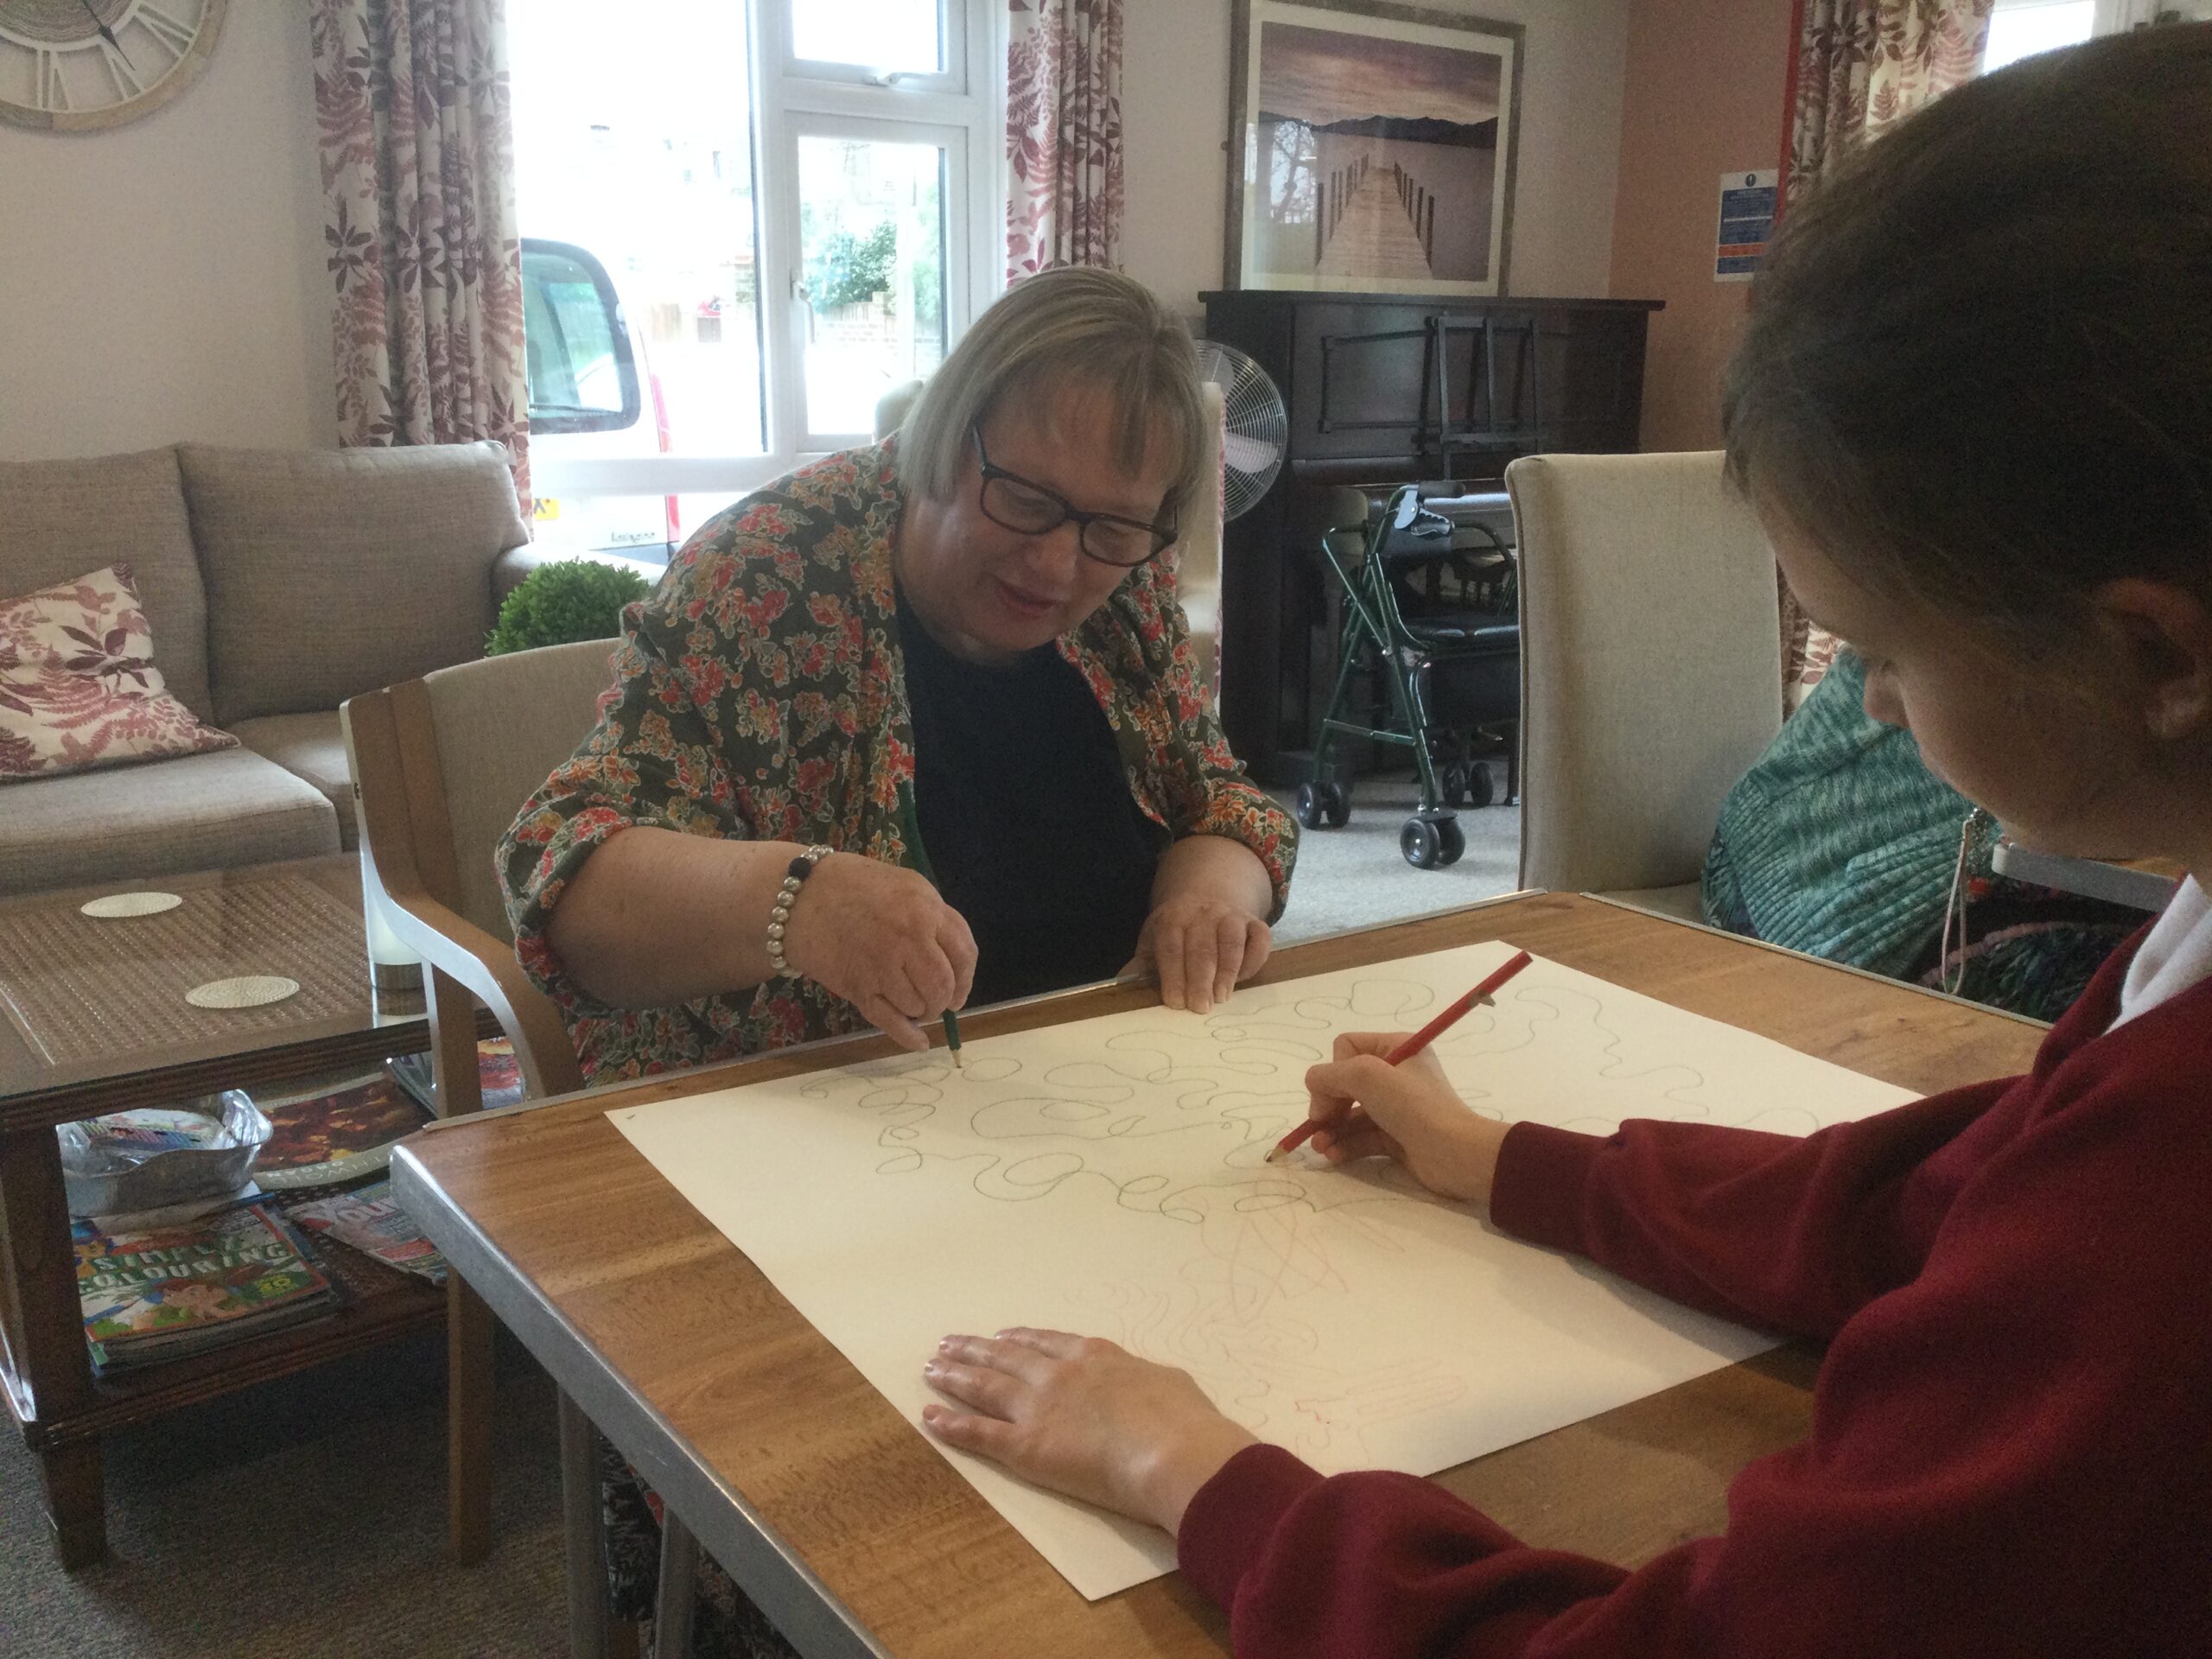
(1422, 844)
(1455, 842)
(1324, 805)
(1480, 790)
(1432, 842)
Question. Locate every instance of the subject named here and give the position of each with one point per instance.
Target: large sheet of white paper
(1109, 1177)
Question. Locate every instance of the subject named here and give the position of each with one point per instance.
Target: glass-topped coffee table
(94, 1019)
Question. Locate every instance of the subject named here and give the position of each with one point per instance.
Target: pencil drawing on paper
(1109, 1176)
(1176, 1120)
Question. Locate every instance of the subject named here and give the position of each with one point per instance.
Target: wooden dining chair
(1650, 668)
(441, 766)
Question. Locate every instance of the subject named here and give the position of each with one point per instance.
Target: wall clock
(78, 66)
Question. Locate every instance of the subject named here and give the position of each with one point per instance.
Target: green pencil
(910, 827)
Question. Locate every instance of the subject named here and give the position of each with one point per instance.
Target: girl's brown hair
(1979, 362)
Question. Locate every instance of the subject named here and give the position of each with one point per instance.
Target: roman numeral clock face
(79, 64)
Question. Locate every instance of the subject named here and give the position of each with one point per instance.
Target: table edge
(727, 1526)
(1855, 971)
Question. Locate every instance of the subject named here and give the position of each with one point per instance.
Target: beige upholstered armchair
(440, 766)
(1651, 668)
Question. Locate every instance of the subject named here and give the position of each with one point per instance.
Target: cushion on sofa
(204, 811)
(312, 746)
(60, 518)
(78, 685)
(332, 572)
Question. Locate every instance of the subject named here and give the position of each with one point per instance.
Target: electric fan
(1255, 427)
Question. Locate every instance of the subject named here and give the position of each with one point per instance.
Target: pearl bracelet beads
(780, 914)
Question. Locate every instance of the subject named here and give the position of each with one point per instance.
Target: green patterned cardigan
(759, 693)
(1840, 842)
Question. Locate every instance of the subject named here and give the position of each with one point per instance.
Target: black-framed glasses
(1012, 502)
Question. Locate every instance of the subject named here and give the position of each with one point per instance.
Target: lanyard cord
(1954, 908)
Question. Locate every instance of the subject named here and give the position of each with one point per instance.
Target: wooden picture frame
(1372, 148)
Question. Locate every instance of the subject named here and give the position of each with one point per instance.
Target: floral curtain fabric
(412, 97)
(1862, 65)
(1063, 134)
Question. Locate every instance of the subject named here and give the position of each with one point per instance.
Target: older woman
(916, 724)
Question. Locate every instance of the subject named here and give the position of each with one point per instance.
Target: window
(797, 203)
(2019, 28)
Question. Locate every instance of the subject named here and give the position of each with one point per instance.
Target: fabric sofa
(277, 584)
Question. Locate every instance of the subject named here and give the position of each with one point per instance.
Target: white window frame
(2123, 17)
(790, 307)
(2119, 17)
(963, 109)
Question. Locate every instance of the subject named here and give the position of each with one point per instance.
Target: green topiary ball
(557, 604)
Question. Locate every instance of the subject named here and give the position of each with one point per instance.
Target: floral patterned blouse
(760, 693)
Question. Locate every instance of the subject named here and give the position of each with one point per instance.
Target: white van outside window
(783, 208)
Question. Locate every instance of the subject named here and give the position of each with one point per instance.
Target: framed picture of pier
(1371, 147)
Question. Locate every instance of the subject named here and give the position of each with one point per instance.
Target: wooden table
(44, 1368)
(856, 1536)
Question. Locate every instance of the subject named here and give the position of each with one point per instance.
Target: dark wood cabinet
(1382, 390)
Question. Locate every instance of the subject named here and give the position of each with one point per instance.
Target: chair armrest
(454, 947)
(486, 967)
(516, 562)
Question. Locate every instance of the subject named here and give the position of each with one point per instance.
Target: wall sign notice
(1746, 222)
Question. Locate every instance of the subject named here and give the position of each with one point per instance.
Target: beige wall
(1704, 97)
(1175, 119)
(164, 280)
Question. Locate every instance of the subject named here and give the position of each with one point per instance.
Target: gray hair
(1070, 327)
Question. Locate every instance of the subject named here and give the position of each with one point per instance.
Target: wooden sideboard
(1382, 390)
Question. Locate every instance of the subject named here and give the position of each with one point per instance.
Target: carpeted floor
(307, 1516)
(1356, 877)
(303, 1517)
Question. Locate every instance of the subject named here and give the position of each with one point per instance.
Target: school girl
(1973, 408)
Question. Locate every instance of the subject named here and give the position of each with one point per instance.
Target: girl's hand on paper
(1409, 1112)
(1084, 1417)
(881, 938)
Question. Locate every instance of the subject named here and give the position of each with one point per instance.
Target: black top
(1026, 816)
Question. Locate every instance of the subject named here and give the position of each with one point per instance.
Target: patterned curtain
(1861, 67)
(419, 193)
(1063, 134)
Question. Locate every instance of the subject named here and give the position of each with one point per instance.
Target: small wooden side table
(92, 1020)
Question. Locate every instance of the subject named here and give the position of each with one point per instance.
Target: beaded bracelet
(780, 913)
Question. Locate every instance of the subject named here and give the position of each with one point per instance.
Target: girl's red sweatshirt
(2011, 1444)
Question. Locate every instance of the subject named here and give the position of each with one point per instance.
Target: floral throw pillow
(77, 684)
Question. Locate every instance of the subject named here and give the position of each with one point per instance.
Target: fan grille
(1255, 427)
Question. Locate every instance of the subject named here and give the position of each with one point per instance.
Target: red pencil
(1412, 1046)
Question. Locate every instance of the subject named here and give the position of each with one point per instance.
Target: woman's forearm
(1214, 867)
(655, 917)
